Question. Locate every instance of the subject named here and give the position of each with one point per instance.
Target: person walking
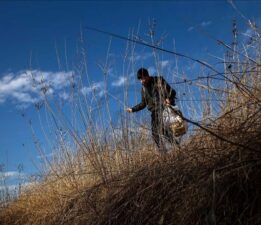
(156, 94)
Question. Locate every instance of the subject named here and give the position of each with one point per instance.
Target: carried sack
(172, 118)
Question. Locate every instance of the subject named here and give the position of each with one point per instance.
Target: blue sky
(41, 40)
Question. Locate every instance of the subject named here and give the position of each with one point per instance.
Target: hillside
(213, 177)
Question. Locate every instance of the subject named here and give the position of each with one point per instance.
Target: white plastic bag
(173, 120)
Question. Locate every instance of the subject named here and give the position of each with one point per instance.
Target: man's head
(143, 76)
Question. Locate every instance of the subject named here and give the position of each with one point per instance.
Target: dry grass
(213, 178)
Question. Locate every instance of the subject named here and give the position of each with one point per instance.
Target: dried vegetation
(212, 178)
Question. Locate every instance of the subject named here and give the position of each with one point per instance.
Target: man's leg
(156, 128)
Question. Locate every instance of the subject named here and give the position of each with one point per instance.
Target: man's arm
(168, 91)
(141, 105)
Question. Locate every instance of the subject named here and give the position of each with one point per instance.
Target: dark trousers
(159, 131)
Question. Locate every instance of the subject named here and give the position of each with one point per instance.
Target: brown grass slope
(213, 178)
(207, 181)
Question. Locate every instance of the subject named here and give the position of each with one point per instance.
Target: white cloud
(95, 87)
(205, 23)
(8, 187)
(28, 185)
(23, 97)
(15, 187)
(45, 156)
(250, 35)
(151, 70)
(249, 32)
(202, 24)
(11, 174)
(9, 83)
(7, 78)
(64, 96)
(101, 93)
(164, 63)
(119, 82)
(86, 90)
(190, 29)
(26, 87)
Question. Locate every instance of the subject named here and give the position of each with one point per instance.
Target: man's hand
(129, 110)
(167, 101)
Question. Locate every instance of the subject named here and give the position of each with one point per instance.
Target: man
(156, 93)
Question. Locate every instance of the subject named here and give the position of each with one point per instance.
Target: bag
(172, 118)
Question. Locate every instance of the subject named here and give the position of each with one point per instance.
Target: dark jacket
(154, 95)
